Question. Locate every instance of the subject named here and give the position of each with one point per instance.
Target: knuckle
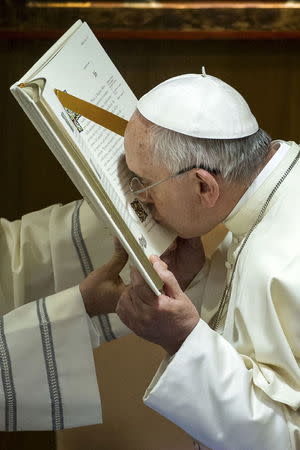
(161, 306)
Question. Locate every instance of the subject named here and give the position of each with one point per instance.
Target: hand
(102, 288)
(165, 320)
(185, 258)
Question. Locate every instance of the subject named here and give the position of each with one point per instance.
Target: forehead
(136, 142)
(138, 150)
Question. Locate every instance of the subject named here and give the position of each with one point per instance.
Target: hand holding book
(103, 287)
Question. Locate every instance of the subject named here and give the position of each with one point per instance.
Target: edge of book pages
(74, 164)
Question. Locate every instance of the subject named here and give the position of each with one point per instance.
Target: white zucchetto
(199, 105)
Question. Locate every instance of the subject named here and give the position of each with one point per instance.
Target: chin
(183, 234)
(180, 233)
(187, 234)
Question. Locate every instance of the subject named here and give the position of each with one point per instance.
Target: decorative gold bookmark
(92, 112)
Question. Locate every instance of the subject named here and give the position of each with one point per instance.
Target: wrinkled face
(174, 203)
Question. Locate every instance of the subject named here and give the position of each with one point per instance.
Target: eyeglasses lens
(137, 185)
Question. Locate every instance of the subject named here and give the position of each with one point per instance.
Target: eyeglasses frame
(180, 172)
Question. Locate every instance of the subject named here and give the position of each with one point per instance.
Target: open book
(91, 154)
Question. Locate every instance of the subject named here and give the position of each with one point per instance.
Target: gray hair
(237, 160)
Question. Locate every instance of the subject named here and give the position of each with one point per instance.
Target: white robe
(236, 391)
(47, 372)
(240, 389)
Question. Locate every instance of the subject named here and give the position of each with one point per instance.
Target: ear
(208, 188)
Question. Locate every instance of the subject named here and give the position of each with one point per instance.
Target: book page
(83, 69)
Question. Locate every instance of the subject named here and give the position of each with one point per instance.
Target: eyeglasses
(138, 188)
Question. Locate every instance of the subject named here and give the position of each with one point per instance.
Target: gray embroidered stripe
(106, 327)
(51, 368)
(79, 243)
(87, 266)
(8, 383)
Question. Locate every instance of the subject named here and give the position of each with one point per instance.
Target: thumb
(171, 286)
(118, 260)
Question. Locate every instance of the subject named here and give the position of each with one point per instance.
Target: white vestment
(47, 372)
(240, 389)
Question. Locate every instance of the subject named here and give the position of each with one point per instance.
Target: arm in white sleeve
(51, 250)
(240, 393)
(106, 328)
(39, 255)
(207, 390)
(47, 377)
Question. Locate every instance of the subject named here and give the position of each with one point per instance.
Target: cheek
(163, 203)
(169, 208)
(159, 207)
(172, 205)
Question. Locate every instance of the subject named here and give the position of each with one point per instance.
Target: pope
(229, 324)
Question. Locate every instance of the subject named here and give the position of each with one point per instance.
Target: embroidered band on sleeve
(79, 244)
(51, 367)
(106, 327)
(7, 382)
(87, 266)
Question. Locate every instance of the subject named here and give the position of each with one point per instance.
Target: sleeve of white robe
(208, 389)
(47, 375)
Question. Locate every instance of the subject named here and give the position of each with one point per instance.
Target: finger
(136, 277)
(118, 260)
(117, 244)
(155, 258)
(171, 286)
(140, 289)
(143, 299)
(138, 281)
(125, 307)
(139, 284)
(119, 249)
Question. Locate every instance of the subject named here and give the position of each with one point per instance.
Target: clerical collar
(262, 176)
